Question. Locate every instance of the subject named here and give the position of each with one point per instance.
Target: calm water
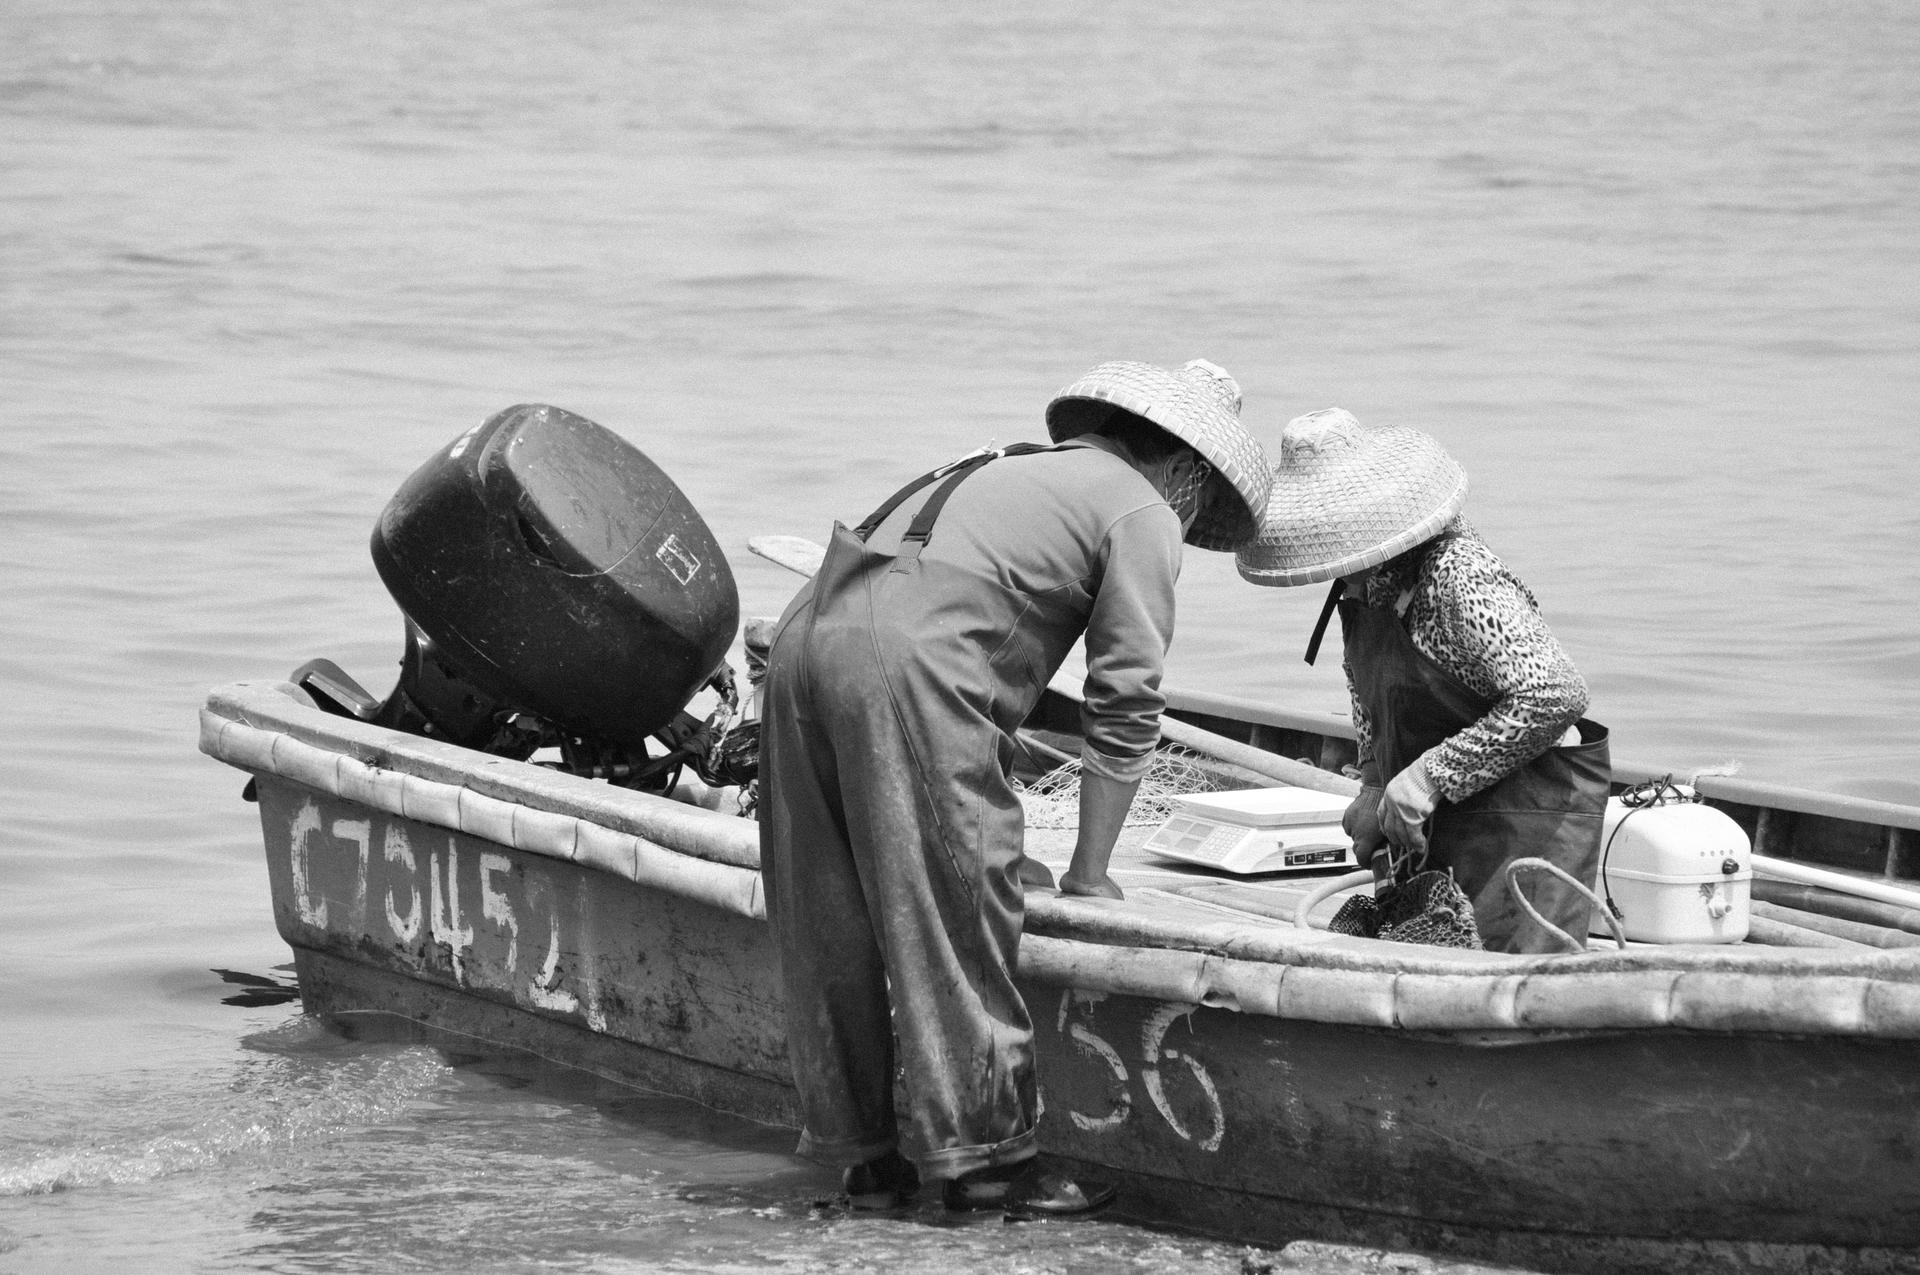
(1648, 270)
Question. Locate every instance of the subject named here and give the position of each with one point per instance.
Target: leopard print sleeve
(1475, 619)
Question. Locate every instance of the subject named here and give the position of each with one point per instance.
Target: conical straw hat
(1199, 405)
(1346, 498)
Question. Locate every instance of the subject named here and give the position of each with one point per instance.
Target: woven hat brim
(1237, 503)
(1318, 573)
(1330, 518)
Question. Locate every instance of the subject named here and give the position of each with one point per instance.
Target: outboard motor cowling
(558, 590)
(562, 572)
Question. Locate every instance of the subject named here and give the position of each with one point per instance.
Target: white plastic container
(1679, 873)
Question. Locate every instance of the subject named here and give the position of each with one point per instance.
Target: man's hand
(1035, 873)
(1103, 810)
(1100, 887)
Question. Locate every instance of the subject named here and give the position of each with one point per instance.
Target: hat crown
(1327, 432)
(1216, 381)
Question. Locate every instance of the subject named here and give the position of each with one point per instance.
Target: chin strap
(1326, 614)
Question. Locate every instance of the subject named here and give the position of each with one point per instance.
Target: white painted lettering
(544, 989)
(312, 908)
(360, 832)
(1153, 1042)
(496, 906)
(396, 849)
(445, 922)
(1088, 1043)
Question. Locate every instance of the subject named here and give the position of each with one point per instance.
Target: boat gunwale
(1713, 787)
(1283, 971)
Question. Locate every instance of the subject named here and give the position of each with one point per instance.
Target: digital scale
(1256, 830)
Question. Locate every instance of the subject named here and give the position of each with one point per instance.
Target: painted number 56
(1155, 1056)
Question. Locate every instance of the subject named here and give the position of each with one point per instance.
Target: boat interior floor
(1178, 890)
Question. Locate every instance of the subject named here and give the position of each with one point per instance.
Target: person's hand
(1405, 808)
(1104, 802)
(1362, 823)
(1383, 866)
(1100, 887)
(1035, 873)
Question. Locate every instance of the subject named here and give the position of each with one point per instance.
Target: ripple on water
(285, 1095)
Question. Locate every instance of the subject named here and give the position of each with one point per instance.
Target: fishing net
(1428, 907)
(1053, 800)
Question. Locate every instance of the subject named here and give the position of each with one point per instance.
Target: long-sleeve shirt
(1052, 546)
(1475, 619)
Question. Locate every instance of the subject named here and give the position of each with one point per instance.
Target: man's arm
(1103, 812)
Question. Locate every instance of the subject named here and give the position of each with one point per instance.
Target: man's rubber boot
(885, 1182)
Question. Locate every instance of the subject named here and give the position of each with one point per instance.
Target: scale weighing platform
(1256, 830)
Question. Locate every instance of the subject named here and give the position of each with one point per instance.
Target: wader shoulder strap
(1339, 588)
(921, 529)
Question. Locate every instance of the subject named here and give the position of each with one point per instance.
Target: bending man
(891, 835)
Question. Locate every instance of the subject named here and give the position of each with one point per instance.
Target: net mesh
(1428, 907)
(1053, 800)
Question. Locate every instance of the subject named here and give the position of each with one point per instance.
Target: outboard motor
(558, 591)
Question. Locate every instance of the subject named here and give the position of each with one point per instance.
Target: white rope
(1520, 896)
(1326, 890)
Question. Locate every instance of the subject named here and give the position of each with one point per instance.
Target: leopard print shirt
(1471, 616)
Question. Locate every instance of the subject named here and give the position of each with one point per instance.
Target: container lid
(1265, 807)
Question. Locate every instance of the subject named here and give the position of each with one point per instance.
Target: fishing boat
(1208, 1043)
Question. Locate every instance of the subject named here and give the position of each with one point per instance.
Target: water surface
(1648, 271)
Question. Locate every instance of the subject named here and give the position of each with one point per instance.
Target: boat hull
(1659, 1150)
(473, 937)
(1558, 1149)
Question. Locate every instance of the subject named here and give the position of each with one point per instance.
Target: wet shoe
(1040, 1193)
(1025, 1190)
(981, 1189)
(885, 1182)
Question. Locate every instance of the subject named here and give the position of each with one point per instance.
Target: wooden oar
(797, 553)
